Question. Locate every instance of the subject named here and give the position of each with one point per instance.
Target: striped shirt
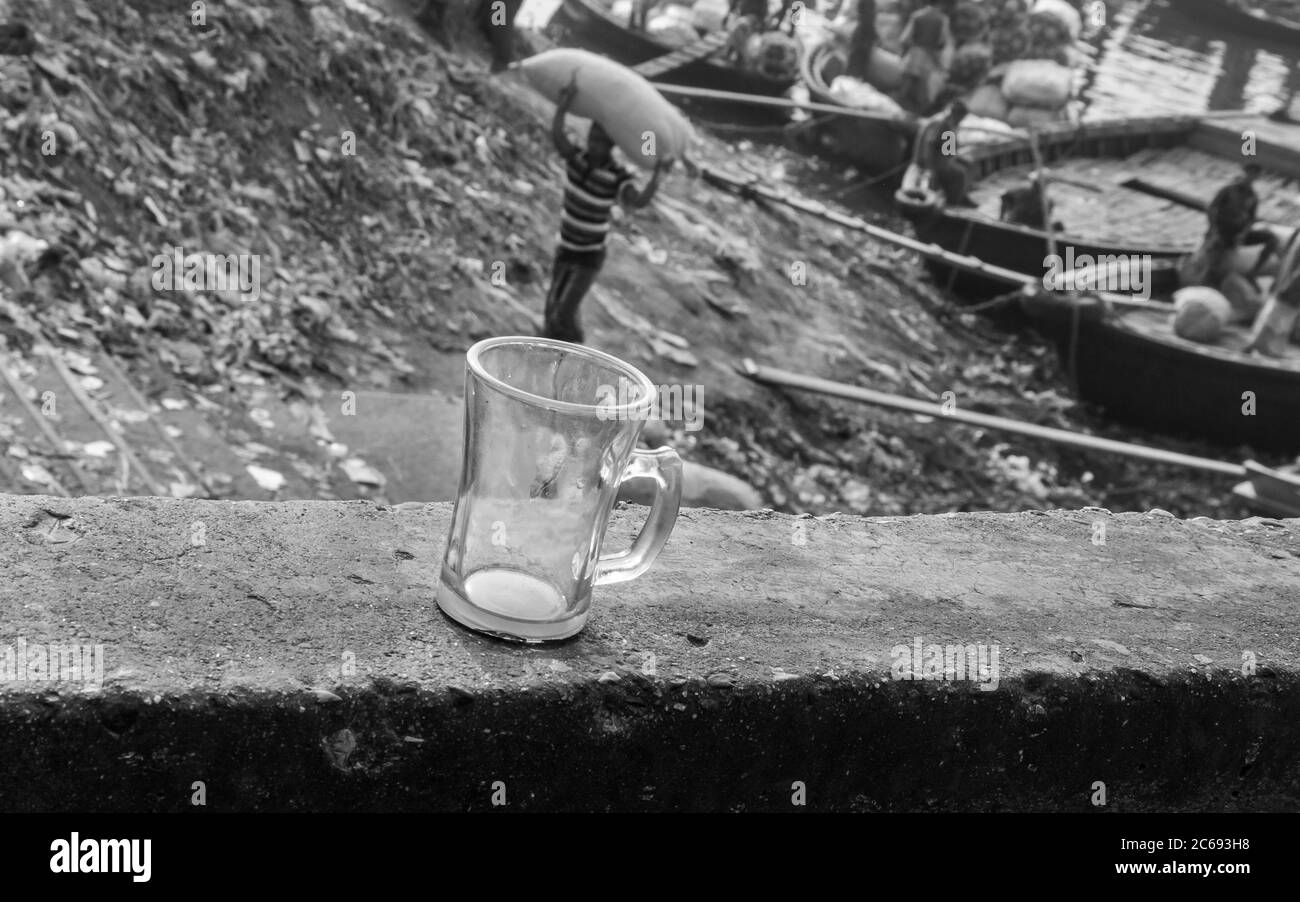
(589, 196)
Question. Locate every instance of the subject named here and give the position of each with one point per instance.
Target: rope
(998, 301)
(661, 65)
(965, 243)
(867, 183)
(1072, 354)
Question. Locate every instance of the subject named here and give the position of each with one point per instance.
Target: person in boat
(927, 44)
(935, 137)
(1027, 204)
(1275, 325)
(744, 19)
(1233, 215)
(1231, 222)
(499, 32)
(640, 13)
(594, 182)
(863, 41)
(747, 18)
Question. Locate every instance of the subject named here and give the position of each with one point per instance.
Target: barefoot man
(594, 182)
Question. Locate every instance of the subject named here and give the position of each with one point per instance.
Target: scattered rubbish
(98, 448)
(361, 472)
(269, 480)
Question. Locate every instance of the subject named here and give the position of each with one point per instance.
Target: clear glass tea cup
(550, 432)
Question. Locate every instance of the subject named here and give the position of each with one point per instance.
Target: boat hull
(1227, 16)
(1024, 249)
(582, 24)
(1176, 387)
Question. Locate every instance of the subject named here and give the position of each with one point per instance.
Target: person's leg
(954, 179)
(1268, 239)
(496, 19)
(574, 276)
(1273, 328)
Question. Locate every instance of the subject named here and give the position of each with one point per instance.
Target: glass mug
(546, 447)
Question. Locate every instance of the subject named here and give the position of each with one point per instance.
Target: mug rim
(475, 366)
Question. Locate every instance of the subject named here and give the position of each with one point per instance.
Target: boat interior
(1229, 346)
(1150, 196)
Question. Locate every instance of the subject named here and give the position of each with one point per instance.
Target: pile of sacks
(677, 24)
(856, 93)
(1031, 79)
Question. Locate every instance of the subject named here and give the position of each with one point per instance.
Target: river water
(1153, 60)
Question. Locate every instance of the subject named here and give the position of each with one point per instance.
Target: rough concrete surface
(290, 657)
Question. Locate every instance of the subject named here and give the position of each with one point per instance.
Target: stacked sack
(1053, 26)
(708, 15)
(673, 26)
(970, 64)
(969, 24)
(1030, 50)
(858, 94)
(1036, 92)
(1009, 31)
(622, 101)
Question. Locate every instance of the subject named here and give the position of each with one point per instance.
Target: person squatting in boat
(1231, 226)
(934, 158)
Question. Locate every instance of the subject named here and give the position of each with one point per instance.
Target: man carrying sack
(594, 182)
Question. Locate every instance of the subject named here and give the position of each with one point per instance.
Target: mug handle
(665, 468)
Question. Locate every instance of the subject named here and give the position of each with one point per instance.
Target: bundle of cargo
(970, 64)
(1055, 20)
(673, 26)
(1054, 26)
(708, 15)
(645, 126)
(969, 23)
(854, 92)
(1036, 92)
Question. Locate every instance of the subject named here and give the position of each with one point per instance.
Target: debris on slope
(401, 203)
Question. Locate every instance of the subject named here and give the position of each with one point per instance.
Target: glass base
(510, 604)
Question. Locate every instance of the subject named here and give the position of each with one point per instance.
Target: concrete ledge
(289, 656)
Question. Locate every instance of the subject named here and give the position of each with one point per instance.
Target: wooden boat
(1131, 364)
(1134, 186)
(873, 146)
(1276, 22)
(585, 24)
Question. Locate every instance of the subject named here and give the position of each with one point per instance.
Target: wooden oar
(964, 262)
(1183, 199)
(771, 376)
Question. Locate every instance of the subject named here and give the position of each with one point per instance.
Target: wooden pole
(903, 122)
(772, 376)
(762, 100)
(128, 456)
(57, 444)
(182, 459)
